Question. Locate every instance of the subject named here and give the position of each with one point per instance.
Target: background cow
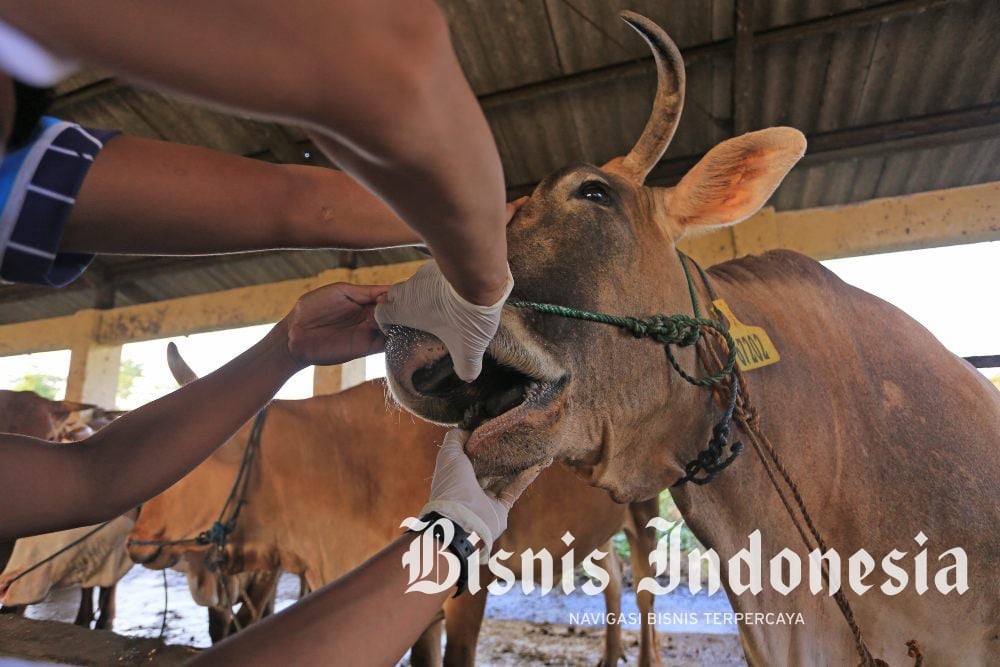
(334, 478)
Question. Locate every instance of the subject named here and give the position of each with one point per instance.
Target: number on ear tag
(754, 348)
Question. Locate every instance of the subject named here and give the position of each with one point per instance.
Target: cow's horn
(178, 367)
(667, 105)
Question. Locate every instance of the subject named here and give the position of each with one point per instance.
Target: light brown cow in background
(334, 478)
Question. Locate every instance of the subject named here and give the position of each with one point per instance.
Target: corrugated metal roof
(565, 80)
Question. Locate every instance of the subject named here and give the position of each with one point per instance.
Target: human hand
(428, 302)
(334, 324)
(456, 493)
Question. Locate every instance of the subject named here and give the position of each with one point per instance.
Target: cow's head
(596, 238)
(27, 413)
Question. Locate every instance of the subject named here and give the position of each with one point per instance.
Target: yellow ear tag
(754, 348)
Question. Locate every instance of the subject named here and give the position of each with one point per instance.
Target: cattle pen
(846, 504)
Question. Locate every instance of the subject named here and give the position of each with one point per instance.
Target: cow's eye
(596, 192)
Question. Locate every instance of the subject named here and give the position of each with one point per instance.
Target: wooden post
(326, 380)
(93, 374)
(352, 373)
(331, 379)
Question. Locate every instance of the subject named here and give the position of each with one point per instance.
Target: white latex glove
(456, 494)
(428, 302)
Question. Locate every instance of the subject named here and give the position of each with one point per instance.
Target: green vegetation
(128, 372)
(48, 386)
(669, 511)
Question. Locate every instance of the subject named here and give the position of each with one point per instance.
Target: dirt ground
(64, 643)
(510, 643)
(502, 644)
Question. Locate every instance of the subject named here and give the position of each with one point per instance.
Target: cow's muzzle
(517, 380)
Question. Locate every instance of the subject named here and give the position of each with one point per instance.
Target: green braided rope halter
(677, 330)
(681, 331)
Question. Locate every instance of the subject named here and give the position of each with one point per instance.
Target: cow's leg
(86, 612)
(269, 603)
(15, 609)
(257, 597)
(463, 620)
(613, 649)
(6, 549)
(220, 620)
(427, 651)
(106, 607)
(642, 542)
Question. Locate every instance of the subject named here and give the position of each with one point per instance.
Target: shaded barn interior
(895, 97)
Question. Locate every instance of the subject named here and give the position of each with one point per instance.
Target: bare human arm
(335, 624)
(377, 79)
(46, 487)
(143, 196)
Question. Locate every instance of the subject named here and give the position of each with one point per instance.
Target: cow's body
(887, 434)
(335, 477)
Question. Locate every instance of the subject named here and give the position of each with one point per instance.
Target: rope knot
(217, 534)
(665, 329)
(636, 327)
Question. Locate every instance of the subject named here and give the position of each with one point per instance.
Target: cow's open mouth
(500, 393)
(520, 386)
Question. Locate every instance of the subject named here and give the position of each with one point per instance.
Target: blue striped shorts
(38, 187)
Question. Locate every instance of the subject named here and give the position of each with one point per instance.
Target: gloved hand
(429, 303)
(456, 494)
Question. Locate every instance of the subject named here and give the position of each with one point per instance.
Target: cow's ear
(734, 179)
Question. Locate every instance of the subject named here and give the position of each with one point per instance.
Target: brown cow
(890, 437)
(335, 477)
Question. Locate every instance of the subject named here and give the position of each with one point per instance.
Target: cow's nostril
(436, 378)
